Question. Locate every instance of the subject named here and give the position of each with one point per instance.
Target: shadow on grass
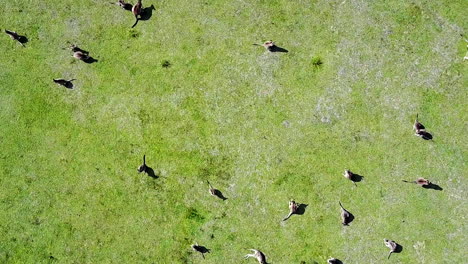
(202, 249)
(277, 49)
(22, 39)
(90, 60)
(147, 13)
(424, 134)
(301, 209)
(398, 249)
(433, 187)
(357, 177)
(150, 172)
(219, 194)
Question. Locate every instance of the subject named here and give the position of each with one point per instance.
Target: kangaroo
(79, 53)
(200, 249)
(136, 10)
(346, 217)
(143, 167)
(420, 181)
(216, 192)
(391, 245)
(334, 261)
(420, 130)
(75, 48)
(350, 176)
(261, 258)
(80, 56)
(14, 36)
(417, 125)
(268, 45)
(66, 83)
(292, 209)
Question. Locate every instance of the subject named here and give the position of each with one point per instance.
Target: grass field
(262, 127)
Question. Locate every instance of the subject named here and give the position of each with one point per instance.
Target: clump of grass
(317, 61)
(166, 64)
(193, 214)
(134, 33)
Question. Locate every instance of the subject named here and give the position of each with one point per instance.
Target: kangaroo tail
(136, 22)
(287, 217)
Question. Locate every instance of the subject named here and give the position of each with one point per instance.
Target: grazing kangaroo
(75, 48)
(216, 192)
(136, 10)
(268, 45)
(80, 56)
(346, 217)
(420, 181)
(350, 176)
(79, 53)
(292, 209)
(14, 36)
(421, 130)
(334, 261)
(143, 167)
(200, 249)
(391, 245)
(258, 255)
(67, 83)
(417, 125)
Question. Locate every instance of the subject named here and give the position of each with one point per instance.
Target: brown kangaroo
(136, 10)
(268, 45)
(292, 209)
(391, 245)
(261, 258)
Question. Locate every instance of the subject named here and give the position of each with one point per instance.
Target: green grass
(262, 127)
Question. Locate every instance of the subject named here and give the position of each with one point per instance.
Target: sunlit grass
(188, 89)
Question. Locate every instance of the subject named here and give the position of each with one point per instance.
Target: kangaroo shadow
(68, 85)
(433, 186)
(203, 249)
(425, 135)
(90, 60)
(398, 249)
(277, 49)
(147, 13)
(357, 177)
(22, 39)
(301, 209)
(150, 172)
(219, 194)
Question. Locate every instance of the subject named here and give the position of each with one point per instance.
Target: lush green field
(262, 127)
